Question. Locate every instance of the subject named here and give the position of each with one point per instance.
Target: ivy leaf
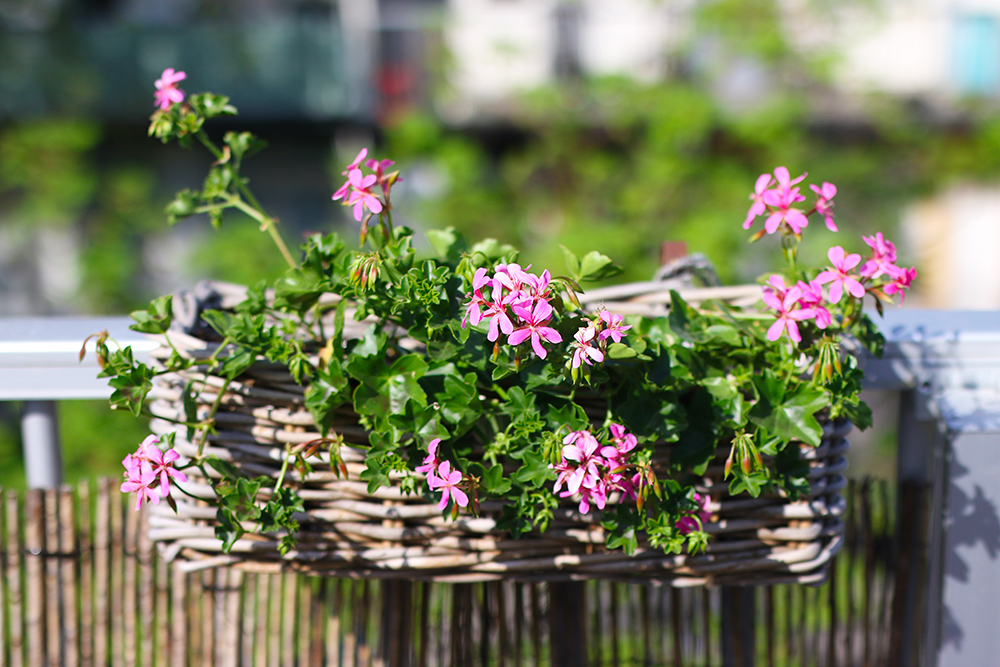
(572, 262)
(595, 266)
(494, 482)
(325, 394)
(184, 205)
(228, 529)
(788, 414)
(534, 470)
(156, 318)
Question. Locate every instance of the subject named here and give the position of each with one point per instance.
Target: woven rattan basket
(347, 532)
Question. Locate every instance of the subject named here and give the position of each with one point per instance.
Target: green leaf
(227, 529)
(534, 470)
(789, 415)
(595, 266)
(447, 243)
(156, 318)
(325, 393)
(494, 482)
(225, 468)
(184, 204)
(621, 351)
(242, 144)
(572, 262)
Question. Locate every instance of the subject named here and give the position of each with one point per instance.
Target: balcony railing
(946, 366)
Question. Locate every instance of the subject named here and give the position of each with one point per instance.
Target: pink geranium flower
(824, 203)
(758, 206)
(613, 327)
(149, 471)
(345, 188)
(788, 313)
(162, 464)
(781, 199)
(431, 461)
(582, 447)
(447, 480)
(473, 313)
(361, 194)
(812, 298)
(901, 283)
(583, 347)
(838, 276)
(167, 93)
(496, 311)
(688, 524)
(535, 327)
(883, 258)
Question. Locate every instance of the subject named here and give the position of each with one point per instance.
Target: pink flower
(812, 298)
(883, 258)
(781, 198)
(758, 207)
(534, 327)
(361, 195)
(901, 283)
(824, 204)
(614, 329)
(140, 479)
(473, 314)
(343, 189)
(148, 471)
(162, 464)
(838, 277)
(582, 447)
(688, 524)
(167, 93)
(448, 480)
(431, 461)
(584, 349)
(596, 493)
(788, 315)
(497, 312)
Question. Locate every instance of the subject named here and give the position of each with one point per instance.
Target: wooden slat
(34, 543)
(69, 548)
(130, 594)
(146, 580)
(85, 544)
(14, 565)
(51, 558)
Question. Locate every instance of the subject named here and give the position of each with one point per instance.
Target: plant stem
(210, 419)
(267, 224)
(284, 469)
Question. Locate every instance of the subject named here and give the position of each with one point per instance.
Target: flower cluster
(148, 472)
(590, 342)
(806, 300)
(358, 189)
(595, 472)
(779, 194)
(167, 93)
(525, 294)
(441, 476)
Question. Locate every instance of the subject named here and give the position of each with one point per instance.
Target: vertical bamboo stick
(364, 618)
(304, 625)
(147, 589)
(53, 621)
(85, 544)
(70, 587)
(613, 609)
(503, 640)
(831, 589)
(4, 527)
(206, 599)
(117, 581)
(865, 525)
(247, 620)
(34, 542)
(647, 639)
(519, 615)
(317, 614)
(162, 626)
(331, 634)
(770, 624)
(425, 624)
(536, 624)
(178, 644)
(15, 566)
(262, 624)
(274, 620)
(130, 553)
(348, 619)
(288, 620)
(102, 573)
(677, 630)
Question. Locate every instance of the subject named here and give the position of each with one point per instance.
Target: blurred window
(977, 54)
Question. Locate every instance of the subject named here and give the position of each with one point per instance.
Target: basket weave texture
(347, 532)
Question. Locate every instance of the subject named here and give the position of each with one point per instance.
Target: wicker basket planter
(347, 532)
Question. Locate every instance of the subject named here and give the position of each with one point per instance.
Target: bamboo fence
(82, 584)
